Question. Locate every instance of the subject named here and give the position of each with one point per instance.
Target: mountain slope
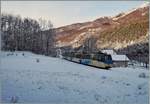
(111, 32)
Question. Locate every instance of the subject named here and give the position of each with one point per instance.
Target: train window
(86, 56)
(101, 57)
(95, 57)
(106, 58)
(78, 55)
(109, 57)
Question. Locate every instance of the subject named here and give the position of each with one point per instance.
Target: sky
(67, 12)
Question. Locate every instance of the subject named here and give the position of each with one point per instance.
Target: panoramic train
(99, 59)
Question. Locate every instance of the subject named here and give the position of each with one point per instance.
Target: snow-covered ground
(53, 80)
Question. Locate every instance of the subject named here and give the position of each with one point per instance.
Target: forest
(26, 34)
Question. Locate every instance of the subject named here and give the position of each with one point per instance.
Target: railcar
(99, 60)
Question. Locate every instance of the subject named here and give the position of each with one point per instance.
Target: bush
(37, 60)
(142, 75)
(14, 99)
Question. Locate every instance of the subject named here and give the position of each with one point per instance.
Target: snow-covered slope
(116, 32)
(53, 80)
(144, 5)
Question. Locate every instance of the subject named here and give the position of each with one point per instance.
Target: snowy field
(53, 80)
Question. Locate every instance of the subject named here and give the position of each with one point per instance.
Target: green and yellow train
(99, 59)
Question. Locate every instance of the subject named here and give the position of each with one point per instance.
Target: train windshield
(108, 59)
(104, 58)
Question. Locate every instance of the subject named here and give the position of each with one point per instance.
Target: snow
(124, 14)
(53, 80)
(109, 51)
(145, 4)
(114, 55)
(119, 58)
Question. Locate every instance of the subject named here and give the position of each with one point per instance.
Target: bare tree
(27, 34)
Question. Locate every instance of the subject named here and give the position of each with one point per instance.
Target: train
(98, 59)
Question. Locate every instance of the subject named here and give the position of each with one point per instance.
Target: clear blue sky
(67, 12)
